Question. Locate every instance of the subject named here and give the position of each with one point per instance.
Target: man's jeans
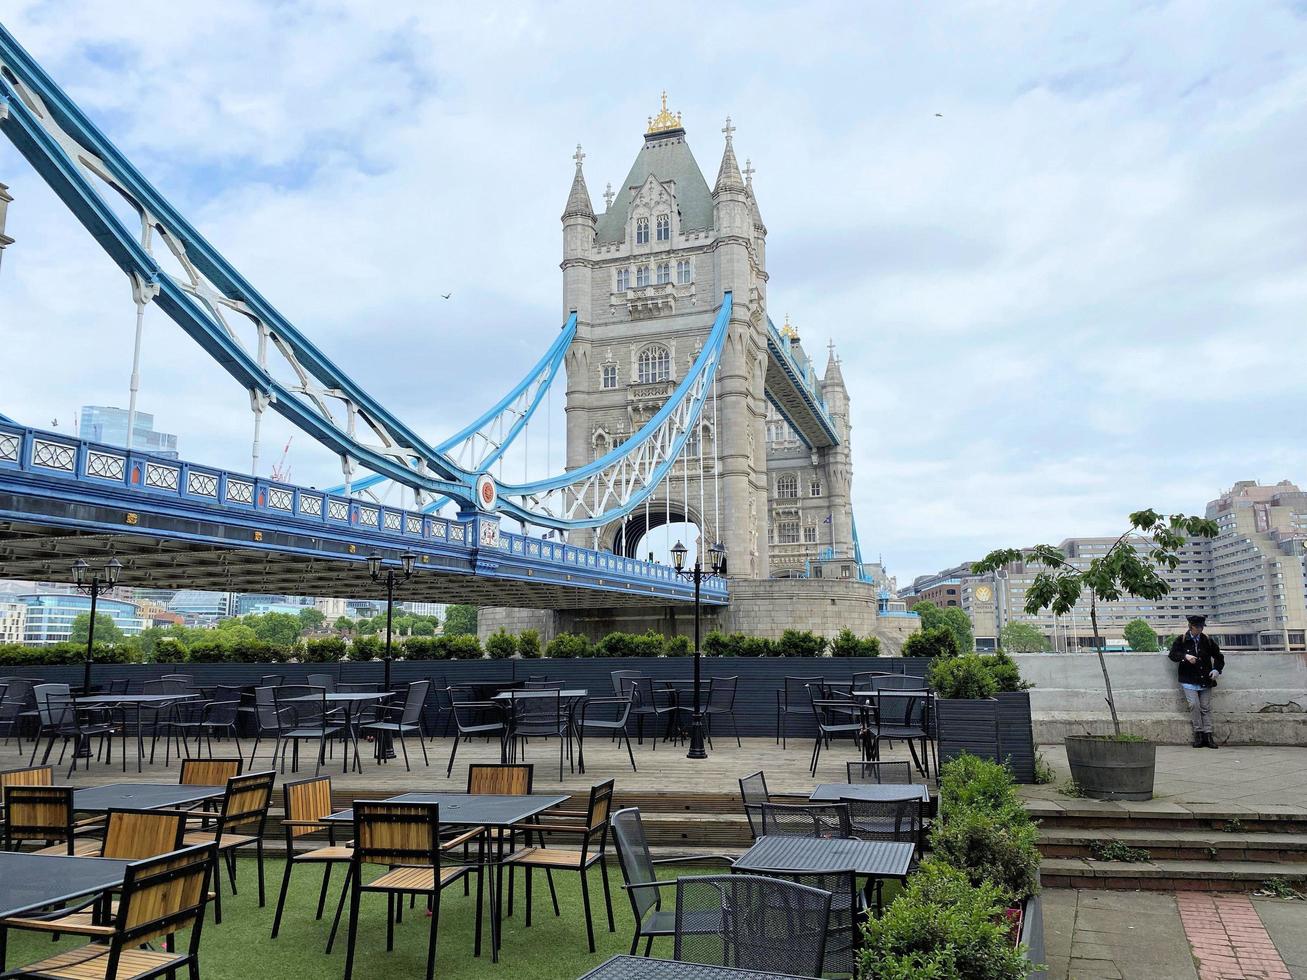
(1200, 708)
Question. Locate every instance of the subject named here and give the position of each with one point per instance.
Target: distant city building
(50, 616)
(333, 609)
(13, 622)
(256, 604)
(104, 423)
(202, 607)
(423, 608)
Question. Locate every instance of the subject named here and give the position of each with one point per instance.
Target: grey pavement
(1109, 935)
(1286, 923)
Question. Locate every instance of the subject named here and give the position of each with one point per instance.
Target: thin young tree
(1121, 570)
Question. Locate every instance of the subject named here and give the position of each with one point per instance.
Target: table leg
(496, 900)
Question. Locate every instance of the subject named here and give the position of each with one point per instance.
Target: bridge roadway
(180, 525)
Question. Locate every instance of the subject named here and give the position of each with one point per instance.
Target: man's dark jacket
(1209, 657)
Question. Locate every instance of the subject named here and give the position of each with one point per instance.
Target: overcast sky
(1060, 247)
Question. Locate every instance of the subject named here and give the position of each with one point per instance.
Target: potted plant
(1119, 766)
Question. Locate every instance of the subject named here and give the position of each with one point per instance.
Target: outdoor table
(498, 813)
(351, 702)
(834, 792)
(137, 701)
(644, 968)
(33, 881)
(869, 858)
(866, 697)
(141, 796)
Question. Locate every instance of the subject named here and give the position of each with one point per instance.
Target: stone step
(1163, 815)
(1178, 845)
(1165, 875)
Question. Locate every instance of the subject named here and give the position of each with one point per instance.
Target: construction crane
(281, 468)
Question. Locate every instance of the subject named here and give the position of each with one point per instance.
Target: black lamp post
(387, 575)
(696, 574)
(92, 581)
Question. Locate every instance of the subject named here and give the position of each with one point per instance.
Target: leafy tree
(1022, 638)
(423, 627)
(460, 620)
(1140, 636)
(279, 629)
(311, 619)
(343, 624)
(1120, 571)
(957, 620)
(938, 641)
(106, 630)
(931, 615)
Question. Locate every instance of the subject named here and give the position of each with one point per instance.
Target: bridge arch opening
(650, 536)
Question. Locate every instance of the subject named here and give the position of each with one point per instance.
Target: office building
(50, 616)
(104, 423)
(13, 622)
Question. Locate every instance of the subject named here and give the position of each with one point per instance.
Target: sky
(1061, 248)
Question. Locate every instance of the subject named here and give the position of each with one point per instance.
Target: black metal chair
(879, 772)
(647, 705)
(898, 682)
(903, 715)
(543, 685)
(541, 715)
(472, 719)
(752, 922)
(304, 717)
(792, 699)
(202, 720)
(847, 907)
(833, 720)
(403, 720)
(616, 727)
(653, 919)
(891, 820)
(61, 718)
(754, 793)
(18, 705)
(618, 676)
(805, 820)
(862, 680)
(720, 703)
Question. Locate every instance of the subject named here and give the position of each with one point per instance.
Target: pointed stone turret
(578, 244)
(578, 200)
(728, 174)
(833, 375)
(759, 228)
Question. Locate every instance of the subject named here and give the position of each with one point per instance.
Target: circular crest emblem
(486, 491)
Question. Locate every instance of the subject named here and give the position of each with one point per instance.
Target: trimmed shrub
(940, 928)
(528, 644)
(989, 847)
(63, 654)
(245, 652)
(847, 644)
(501, 645)
(323, 650)
(963, 678)
(568, 646)
(1006, 674)
(972, 783)
(755, 646)
(424, 648)
(366, 647)
(718, 644)
(869, 646)
(648, 644)
(464, 646)
(938, 641)
(678, 646)
(800, 643)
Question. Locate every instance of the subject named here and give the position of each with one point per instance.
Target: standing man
(1201, 663)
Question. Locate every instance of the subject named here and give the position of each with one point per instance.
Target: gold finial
(664, 121)
(789, 331)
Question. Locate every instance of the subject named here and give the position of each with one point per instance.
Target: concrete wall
(1261, 698)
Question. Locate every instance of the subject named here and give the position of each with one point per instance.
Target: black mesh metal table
(33, 881)
(141, 796)
(643, 968)
(352, 704)
(473, 809)
(137, 702)
(834, 792)
(872, 858)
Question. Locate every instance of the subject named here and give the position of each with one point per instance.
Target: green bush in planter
(568, 646)
(677, 646)
(800, 643)
(718, 644)
(464, 646)
(501, 644)
(56, 654)
(961, 678)
(941, 927)
(323, 650)
(1006, 673)
(936, 642)
(423, 648)
(756, 646)
(972, 783)
(989, 847)
(366, 647)
(847, 644)
(528, 644)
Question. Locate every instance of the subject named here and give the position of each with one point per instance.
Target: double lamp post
(717, 565)
(92, 581)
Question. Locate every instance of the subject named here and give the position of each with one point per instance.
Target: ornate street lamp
(92, 581)
(717, 559)
(387, 575)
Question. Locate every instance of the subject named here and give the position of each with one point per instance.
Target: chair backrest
(469, 715)
(538, 714)
(796, 690)
(161, 896)
(600, 805)
(414, 701)
(543, 685)
(325, 681)
(301, 705)
(131, 835)
(863, 678)
(246, 801)
(209, 772)
(461, 693)
(272, 680)
(305, 801)
(500, 779)
(53, 702)
(902, 707)
(892, 820)
(898, 682)
(397, 834)
(634, 859)
(645, 698)
(879, 772)
(617, 676)
(18, 694)
(29, 776)
(173, 685)
(842, 940)
(753, 791)
(265, 709)
(43, 813)
(721, 692)
(117, 686)
(758, 923)
(805, 820)
(187, 679)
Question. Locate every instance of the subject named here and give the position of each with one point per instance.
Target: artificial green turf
(240, 948)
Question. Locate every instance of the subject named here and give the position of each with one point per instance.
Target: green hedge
(323, 650)
(847, 644)
(972, 676)
(501, 645)
(528, 644)
(568, 646)
(63, 654)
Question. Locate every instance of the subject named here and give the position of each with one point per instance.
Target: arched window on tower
(664, 227)
(787, 488)
(683, 272)
(642, 231)
(642, 276)
(814, 488)
(623, 280)
(610, 376)
(654, 364)
(664, 273)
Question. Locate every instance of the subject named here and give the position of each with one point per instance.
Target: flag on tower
(829, 519)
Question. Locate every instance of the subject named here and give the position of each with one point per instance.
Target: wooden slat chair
(405, 839)
(26, 776)
(502, 779)
(305, 803)
(44, 814)
(244, 807)
(161, 896)
(592, 829)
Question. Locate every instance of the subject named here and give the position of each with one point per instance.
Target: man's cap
(1197, 620)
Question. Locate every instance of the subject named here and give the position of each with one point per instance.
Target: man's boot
(1199, 741)
(1210, 741)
